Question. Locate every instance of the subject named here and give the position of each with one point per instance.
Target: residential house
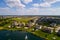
(53, 24)
(48, 30)
(58, 33)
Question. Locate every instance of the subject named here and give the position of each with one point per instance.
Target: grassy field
(46, 35)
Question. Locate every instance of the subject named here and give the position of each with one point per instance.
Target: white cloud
(14, 3)
(50, 1)
(31, 11)
(46, 3)
(36, 5)
(27, 1)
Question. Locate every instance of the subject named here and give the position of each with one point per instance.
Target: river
(17, 35)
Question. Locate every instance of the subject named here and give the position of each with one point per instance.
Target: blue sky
(29, 7)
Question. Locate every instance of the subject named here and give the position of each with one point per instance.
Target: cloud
(36, 5)
(23, 11)
(27, 1)
(14, 3)
(19, 4)
(46, 3)
(50, 1)
(30, 11)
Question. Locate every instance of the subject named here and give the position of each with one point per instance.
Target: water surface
(17, 35)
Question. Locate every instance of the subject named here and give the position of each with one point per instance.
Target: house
(48, 30)
(9, 26)
(58, 33)
(18, 27)
(14, 24)
(57, 29)
(53, 24)
(25, 27)
(31, 21)
(38, 26)
(20, 24)
(29, 24)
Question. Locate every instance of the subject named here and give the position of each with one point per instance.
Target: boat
(26, 37)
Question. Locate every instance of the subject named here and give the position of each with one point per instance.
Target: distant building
(38, 26)
(20, 24)
(53, 24)
(30, 24)
(13, 24)
(47, 30)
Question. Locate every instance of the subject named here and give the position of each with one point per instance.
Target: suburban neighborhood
(36, 24)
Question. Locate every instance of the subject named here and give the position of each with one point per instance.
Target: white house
(57, 29)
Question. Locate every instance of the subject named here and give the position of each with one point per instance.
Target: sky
(29, 7)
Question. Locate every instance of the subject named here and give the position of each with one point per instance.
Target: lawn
(46, 35)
